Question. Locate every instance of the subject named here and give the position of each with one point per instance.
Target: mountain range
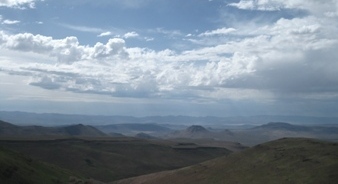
(10, 130)
(52, 119)
(248, 137)
(196, 154)
(258, 134)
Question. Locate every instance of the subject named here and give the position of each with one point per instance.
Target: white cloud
(169, 33)
(217, 32)
(289, 56)
(265, 5)
(67, 50)
(114, 47)
(130, 35)
(107, 33)
(21, 4)
(330, 7)
(7, 21)
(148, 39)
(10, 22)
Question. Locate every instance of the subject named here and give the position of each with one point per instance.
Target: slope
(10, 130)
(292, 160)
(109, 159)
(16, 168)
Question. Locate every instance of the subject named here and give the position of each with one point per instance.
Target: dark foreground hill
(10, 130)
(292, 160)
(16, 168)
(108, 159)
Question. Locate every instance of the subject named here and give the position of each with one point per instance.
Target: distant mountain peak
(80, 129)
(283, 126)
(7, 129)
(196, 129)
(278, 123)
(79, 126)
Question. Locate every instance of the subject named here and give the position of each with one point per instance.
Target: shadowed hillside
(78, 130)
(194, 131)
(109, 159)
(16, 168)
(292, 160)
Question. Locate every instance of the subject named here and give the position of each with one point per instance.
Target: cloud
(264, 5)
(169, 33)
(290, 57)
(67, 50)
(20, 4)
(46, 82)
(330, 7)
(114, 47)
(221, 31)
(83, 28)
(107, 33)
(7, 21)
(127, 35)
(148, 39)
(130, 35)
(10, 22)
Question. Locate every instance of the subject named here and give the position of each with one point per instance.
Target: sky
(169, 57)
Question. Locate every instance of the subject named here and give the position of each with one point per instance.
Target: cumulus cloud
(67, 50)
(21, 4)
(114, 47)
(289, 56)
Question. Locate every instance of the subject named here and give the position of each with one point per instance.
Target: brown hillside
(293, 160)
